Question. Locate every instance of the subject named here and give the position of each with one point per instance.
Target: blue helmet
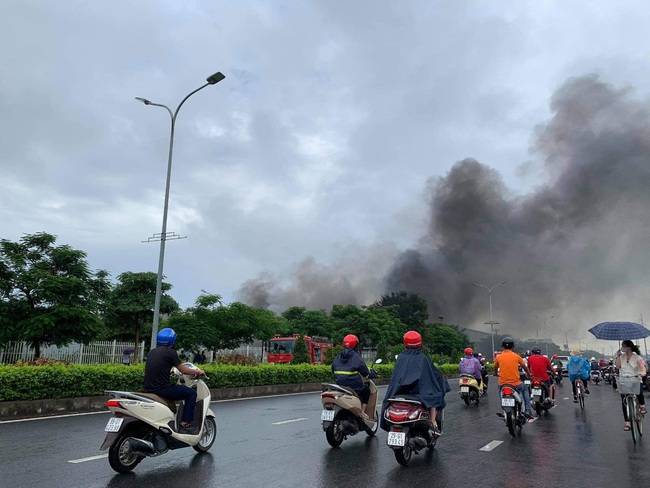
(166, 337)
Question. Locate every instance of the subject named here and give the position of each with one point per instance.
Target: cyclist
(578, 368)
(630, 363)
(506, 367)
(540, 367)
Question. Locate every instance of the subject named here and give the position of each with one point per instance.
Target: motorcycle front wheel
(208, 436)
(374, 431)
(119, 457)
(403, 455)
(334, 434)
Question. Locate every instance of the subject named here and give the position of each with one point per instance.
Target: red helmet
(350, 341)
(412, 340)
(554, 356)
(469, 350)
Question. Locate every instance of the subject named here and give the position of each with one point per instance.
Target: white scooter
(146, 425)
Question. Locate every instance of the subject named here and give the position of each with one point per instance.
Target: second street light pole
(491, 322)
(211, 80)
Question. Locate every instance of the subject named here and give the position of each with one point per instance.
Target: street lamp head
(143, 100)
(215, 78)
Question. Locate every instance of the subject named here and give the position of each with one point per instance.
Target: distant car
(565, 363)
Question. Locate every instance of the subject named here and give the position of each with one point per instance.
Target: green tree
(216, 326)
(444, 339)
(130, 307)
(308, 322)
(383, 353)
(48, 293)
(300, 352)
(407, 307)
(372, 325)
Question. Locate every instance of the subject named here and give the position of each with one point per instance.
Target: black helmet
(536, 350)
(508, 343)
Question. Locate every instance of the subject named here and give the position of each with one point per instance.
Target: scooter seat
(342, 389)
(168, 403)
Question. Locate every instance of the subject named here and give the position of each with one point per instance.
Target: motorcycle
(557, 375)
(342, 416)
(540, 397)
(469, 389)
(511, 412)
(594, 376)
(146, 425)
(410, 427)
(607, 375)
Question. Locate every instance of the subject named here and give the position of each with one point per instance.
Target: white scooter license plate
(508, 402)
(537, 391)
(114, 424)
(464, 389)
(396, 438)
(327, 415)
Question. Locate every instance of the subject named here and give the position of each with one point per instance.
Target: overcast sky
(313, 162)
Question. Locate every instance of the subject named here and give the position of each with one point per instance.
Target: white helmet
(592, 359)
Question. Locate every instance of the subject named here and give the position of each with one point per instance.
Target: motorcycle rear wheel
(334, 434)
(208, 436)
(510, 423)
(403, 455)
(119, 457)
(538, 409)
(466, 399)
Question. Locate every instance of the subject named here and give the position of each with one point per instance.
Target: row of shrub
(66, 381)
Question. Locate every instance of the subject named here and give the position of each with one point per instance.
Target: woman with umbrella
(630, 363)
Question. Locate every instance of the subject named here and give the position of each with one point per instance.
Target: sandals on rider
(627, 427)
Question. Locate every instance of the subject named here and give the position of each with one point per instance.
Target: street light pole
(566, 337)
(491, 322)
(211, 80)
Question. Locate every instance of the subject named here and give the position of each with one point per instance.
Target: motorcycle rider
(594, 366)
(540, 367)
(471, 366)
(415, 374)
(484, 372)
(348, 368)
(578, 368)
(159, 363)
(506, 367)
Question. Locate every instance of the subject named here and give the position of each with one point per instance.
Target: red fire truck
(281, 348)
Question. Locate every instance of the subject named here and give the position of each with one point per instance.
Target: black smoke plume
(576, 247)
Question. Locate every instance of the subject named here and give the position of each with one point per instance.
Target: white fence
(100, 352)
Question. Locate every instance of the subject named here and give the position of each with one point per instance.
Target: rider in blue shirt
(578, 367)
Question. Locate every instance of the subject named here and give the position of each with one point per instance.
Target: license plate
(396, 438)
(537, 391)
(113, 425)
(508, 402)
(464, 389)
(527, 382)
(327, 415)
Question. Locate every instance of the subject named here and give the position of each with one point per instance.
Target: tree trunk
(37, 350)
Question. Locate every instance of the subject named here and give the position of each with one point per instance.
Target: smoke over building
(575, 247)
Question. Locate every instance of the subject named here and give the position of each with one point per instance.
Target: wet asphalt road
(278, 441)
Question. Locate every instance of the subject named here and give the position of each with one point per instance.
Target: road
(278, 441)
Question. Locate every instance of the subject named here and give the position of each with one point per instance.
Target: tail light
(507, 390)
(329, 405)
(402, 411)
(327, 394)
(113, 404)
(465, 381)
(536, 383)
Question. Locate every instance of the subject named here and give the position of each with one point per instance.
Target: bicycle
(630, 386)
(580, 392)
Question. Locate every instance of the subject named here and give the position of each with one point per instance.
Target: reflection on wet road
(278, 441)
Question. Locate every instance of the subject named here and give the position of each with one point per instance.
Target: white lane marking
(490, 445)
(289, 421)
(91, 458)
(52, 417)
(565, 398)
